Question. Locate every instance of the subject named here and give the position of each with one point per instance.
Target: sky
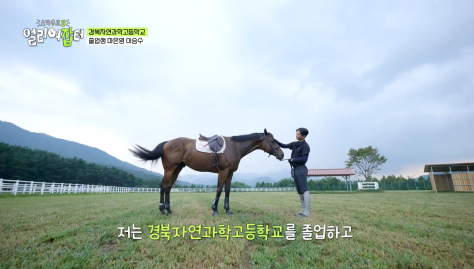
(394, 75)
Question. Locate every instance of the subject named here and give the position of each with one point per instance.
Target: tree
(371, 179)
(285, 182)
(38, 165)
(366, 161)
(237, 184)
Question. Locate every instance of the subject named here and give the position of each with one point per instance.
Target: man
(299, 156)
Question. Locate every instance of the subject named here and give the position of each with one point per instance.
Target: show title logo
(38, 35)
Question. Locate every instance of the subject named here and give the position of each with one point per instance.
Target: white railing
(31, 187)
(368, 185)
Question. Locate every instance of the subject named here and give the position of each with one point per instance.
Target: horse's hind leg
(176, 172)
(166, 185)
(162, 199)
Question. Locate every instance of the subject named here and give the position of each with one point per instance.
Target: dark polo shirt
(299, 152)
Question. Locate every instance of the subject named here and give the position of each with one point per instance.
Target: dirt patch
(108, 247)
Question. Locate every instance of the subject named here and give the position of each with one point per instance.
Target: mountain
(14, 135)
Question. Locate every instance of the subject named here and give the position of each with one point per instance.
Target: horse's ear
(265, 131)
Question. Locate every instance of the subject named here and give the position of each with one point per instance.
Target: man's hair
(303, 131)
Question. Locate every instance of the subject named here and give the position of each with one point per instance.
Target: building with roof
(451, 176)
(346, 173)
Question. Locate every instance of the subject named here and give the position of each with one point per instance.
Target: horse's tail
(148, 155)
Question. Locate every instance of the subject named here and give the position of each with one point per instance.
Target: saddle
(215, 143)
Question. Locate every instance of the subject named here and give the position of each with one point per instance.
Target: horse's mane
(247, 137)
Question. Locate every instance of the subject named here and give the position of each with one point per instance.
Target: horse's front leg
(220, 183)
(227, 194)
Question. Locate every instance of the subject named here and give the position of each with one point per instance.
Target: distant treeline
(23, 163)
(288, 182)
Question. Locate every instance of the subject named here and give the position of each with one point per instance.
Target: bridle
(274, 150)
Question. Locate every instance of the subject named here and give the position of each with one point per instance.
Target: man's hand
(276, 141)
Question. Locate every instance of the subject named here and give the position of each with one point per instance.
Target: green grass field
(397, 229)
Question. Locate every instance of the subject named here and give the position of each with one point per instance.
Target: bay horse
(181, 152)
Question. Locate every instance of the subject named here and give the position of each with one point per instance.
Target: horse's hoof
(229, 212)
(169, 212)
(163, 213)
(215, 213)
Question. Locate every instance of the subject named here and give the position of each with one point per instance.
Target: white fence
(368, 185)
(30, 187)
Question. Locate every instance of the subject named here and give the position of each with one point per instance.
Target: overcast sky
(396, 75)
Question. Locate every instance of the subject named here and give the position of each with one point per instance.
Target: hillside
(14, 135)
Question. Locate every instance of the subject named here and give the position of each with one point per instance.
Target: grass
(390, 229)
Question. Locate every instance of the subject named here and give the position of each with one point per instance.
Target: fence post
(42, 188)
(1, 185)
(31, 187)
(15, 187)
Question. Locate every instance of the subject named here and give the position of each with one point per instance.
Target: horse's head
(270, 146)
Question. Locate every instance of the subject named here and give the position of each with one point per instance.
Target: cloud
(394, 75)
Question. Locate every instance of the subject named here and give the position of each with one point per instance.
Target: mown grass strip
(390, 229)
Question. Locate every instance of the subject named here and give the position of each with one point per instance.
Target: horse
(181, 152)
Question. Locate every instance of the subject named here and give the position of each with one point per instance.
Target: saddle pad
(202, 146)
